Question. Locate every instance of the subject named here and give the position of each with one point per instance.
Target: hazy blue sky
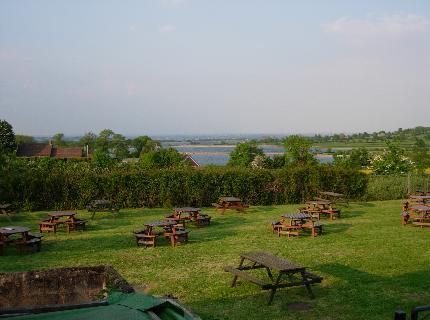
(214, 66)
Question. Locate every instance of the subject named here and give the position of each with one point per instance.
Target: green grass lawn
(371, 264)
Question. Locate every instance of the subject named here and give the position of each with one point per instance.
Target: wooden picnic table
(332, 196)
(297, 222)
(297, 218)
(148, 236)
(419, 199)
(54, 221)
(319, 207)
(27, 242)
(158, 224)
(7, 231)
(192, 212)
(423, 214)
(225, 203)
(102, 205)
(281, 273)
(422, 192)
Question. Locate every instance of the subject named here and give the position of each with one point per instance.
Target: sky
(194, 67)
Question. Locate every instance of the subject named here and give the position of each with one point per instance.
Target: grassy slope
(371, 264)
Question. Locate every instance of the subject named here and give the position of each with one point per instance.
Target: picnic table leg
(308, 286)
(269, 273)
(273, 290)
(235, 277)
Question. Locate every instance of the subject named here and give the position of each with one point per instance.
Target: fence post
(409, 183)
(400, 315)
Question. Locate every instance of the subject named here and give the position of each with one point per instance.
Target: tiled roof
(34, 150)
(66, 152)
(47, 150)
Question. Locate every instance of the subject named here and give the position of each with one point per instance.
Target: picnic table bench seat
(28, 246)
(249, 277)
(203, 220)
(421, 224)
(47, 225)
(145, 239)
(75, 225)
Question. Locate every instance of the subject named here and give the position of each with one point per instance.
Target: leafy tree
(244, 153)
(298, 150)
(89, 139)
(144, 144)
(355, 159)
(19, 138)
(420, 154)
(162, 158)
(7, 137)
(102, 160)
(58, 139)
(391, 161)
(104, 140)
(120, 146)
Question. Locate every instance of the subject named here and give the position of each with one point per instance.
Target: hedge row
(395, 186)
(74, 185)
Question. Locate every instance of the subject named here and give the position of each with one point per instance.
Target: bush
(64, 185)
(387, 187)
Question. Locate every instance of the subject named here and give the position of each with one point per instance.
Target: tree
(144, 144)
(104, 140)
(355, 159)
(162, 158)
(298, 150)
(391, 161)
(420, 154)
(19, 138)
(244, 153)
(102, 160)
(89, 139)
(120, 146)
(7, 137)
(58, 139)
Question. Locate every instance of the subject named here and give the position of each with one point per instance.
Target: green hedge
(395, 186)
(36, 185)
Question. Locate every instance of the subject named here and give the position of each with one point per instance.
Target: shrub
(51, 184)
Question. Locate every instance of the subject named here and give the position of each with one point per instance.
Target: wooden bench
(420, 224)
(48, 226)
(145, 239)
(75, 225)
(203, 221)
(248, 277)
(28, 246)
(179, 236)
(315, 227)
(102, 206)
(289, 231)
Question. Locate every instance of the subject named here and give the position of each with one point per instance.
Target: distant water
(219, 155)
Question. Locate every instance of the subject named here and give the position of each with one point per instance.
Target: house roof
(67, 152)
(47, 150)
(34, 150)
(188, 157)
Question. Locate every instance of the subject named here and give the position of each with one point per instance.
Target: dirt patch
(298, 306)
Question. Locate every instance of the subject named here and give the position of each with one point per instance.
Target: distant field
(371, 264)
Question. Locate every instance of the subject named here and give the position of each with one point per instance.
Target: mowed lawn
(371, 264)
